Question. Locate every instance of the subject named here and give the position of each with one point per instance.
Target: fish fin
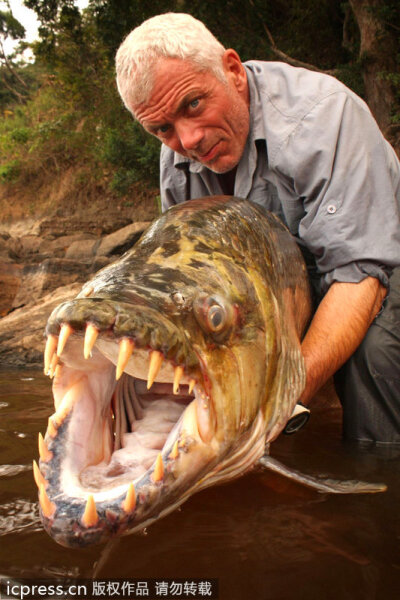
(288, 385)
(323, 485)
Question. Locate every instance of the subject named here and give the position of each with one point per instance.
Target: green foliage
(69, 112)
(20, 135)
(134, 154)
(9, 171)
(10, 27)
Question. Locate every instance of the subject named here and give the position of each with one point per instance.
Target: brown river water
(262, 536)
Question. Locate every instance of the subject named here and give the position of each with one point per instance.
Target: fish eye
(216, 318)
(214, 314)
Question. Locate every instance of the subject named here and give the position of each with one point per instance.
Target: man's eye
(194, 103)
(163, 128)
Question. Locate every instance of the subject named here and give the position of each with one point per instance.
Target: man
(304, 146)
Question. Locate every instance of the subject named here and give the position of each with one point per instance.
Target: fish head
(171, 370)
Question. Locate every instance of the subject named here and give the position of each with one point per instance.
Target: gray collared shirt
(316, 157)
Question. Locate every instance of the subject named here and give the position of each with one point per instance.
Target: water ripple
(18, 516)
(11, 470)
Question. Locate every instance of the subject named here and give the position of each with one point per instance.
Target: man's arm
(338, 327)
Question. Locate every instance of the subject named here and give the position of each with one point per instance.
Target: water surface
(262, 536)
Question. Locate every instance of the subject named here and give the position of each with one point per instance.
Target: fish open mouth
(126, 418)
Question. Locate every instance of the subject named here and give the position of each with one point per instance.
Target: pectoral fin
(321, 484)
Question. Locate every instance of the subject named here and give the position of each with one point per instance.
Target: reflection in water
(11, 470)
(262, 536)
(18, 516)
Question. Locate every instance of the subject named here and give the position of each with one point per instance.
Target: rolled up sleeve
(347, 178)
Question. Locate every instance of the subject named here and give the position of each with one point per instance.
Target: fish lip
(77, 535)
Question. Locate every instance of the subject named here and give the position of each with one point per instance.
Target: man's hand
(338, 327)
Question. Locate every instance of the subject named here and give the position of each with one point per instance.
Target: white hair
(171, 35)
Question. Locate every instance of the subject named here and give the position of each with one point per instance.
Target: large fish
(173, 368)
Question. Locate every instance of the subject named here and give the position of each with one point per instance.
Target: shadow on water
(262, 536)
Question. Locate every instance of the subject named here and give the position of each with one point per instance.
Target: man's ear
(234, 69)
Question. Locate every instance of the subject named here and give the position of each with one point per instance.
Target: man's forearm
(339, 325)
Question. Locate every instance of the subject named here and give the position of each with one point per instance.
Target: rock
(120, 241)
(83, 249)
(60, 246)
(56, 226)
(10, 282)
(21, 332)
(39, 279)
(29, 245)
(37, 272)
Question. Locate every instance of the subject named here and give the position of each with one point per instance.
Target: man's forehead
(174, 80)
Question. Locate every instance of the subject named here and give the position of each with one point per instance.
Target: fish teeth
(53, 366)
(126, 347)
(158, 472)
(65, 332)
(44, 452)
(48, 507)
(37, 475)
(51, 428)
(156, 359)
(178, 374)
(175, 451)
(51, 346)
(90, 516)
(87, 291)
(129, 504)
(189, 422)
(91, 334)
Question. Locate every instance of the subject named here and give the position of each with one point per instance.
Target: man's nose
(190, 135)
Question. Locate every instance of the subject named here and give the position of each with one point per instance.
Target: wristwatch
(299, 418)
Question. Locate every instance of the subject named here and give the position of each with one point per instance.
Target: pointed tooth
(189, 421)
(126, 347)
(90, 516)
(91, 334)
(51, 428)
(53, 366)
(87, 291)
(178, 374)
(191, 385)
(51, 345)
(175, 451)
(73, 395)
(158, 472)
(37, 475)
(156, 359)
(129, 503)
(44, 452)
(48, 507)
(65, 332)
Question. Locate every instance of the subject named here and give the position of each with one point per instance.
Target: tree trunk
(378, 51)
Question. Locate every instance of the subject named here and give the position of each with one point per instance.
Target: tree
(379, 25)
(10, 27)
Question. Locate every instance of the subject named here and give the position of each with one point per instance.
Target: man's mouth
(210, 154)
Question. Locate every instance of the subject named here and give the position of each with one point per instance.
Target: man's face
(196, 114)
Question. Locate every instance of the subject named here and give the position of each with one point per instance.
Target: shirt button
(331, 209)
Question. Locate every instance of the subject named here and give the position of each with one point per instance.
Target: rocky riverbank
(44, 260)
